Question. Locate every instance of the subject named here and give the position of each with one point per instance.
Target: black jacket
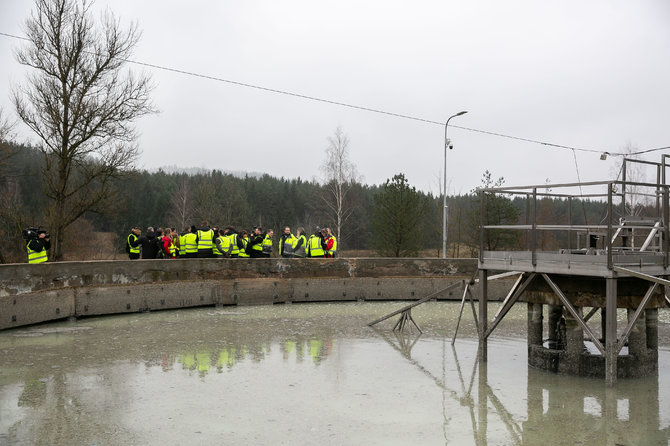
(38, 244)
(149, 244)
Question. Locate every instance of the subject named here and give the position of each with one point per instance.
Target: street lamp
(444, 191)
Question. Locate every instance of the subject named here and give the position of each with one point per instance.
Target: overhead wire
(362, 108)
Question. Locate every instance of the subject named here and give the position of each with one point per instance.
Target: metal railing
(646, 229)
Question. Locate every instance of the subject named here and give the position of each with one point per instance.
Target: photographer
(38, 243)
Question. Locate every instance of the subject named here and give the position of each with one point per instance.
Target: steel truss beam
(624, 338)
(574, 313)
(514, 293)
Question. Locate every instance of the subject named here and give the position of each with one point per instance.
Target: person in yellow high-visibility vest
(300, 247)
(331, 243)
(287, 242)
(231, 233)
(222, 245)
(267, 243)
(133, 243)
(315, 245)
(37, 247)
(205, 240)
(189, 246)
(256, 242)
(242, 243)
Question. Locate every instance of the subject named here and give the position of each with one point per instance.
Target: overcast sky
(586, 74)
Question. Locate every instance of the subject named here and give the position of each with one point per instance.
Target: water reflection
(560, 409)
(305, 374)
(204, 361)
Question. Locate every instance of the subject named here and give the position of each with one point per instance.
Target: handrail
(654, 230)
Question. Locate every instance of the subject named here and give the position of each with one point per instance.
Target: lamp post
(444, 191)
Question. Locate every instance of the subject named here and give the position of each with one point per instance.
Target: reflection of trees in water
(65, 408)
(66, 404)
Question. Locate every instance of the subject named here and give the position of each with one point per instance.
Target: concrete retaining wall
(31, 294)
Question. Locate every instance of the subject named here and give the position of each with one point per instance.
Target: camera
(34, 233)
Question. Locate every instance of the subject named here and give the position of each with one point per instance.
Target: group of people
(213, 242)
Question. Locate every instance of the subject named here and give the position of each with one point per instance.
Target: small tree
(398, 218)
(498, 210)
(341, 175)
(80, 104)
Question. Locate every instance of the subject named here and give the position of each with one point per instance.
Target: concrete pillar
(651, 319)
(574, 337)
(483, 312)
(534, 324)
(611, 333)
(555, 314)
(637, 340)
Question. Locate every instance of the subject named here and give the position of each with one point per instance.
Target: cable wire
(358, 107)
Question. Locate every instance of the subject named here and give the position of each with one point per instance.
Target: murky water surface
(308, 374)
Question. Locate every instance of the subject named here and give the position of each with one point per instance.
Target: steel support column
(483, 313)
(611, 331)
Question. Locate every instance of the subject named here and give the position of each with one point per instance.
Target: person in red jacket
(328, 242)
(165, 247)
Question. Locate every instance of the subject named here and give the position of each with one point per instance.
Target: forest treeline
(142, 198)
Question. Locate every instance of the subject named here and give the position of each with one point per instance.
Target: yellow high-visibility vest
(190, 246)
(133, 249)
(332, 250)
(234, 249)
(36, 256)
(243, 251)
(302, 250)
(314, 248)
(267, 245)
(205, 239)
(287, 246)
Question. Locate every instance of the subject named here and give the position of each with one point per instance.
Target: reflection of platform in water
(610, 415)
(595, 414)
(621, 265)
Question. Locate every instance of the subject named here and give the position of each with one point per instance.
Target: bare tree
(181, 203)
(11, 212)
(81, 104)
(5, 127)
(340, 176)
(636, 196)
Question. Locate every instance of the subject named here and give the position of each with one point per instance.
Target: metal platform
(629, 242)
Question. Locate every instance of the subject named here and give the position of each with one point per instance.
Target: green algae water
(309, 374)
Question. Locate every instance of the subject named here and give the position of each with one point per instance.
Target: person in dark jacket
(256, 243)
(149, 244)
(287, 243)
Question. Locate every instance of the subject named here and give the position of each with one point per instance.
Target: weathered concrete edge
(23, 278)
(204, 282)
(50, 305)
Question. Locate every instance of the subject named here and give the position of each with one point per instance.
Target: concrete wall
(31, 294)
